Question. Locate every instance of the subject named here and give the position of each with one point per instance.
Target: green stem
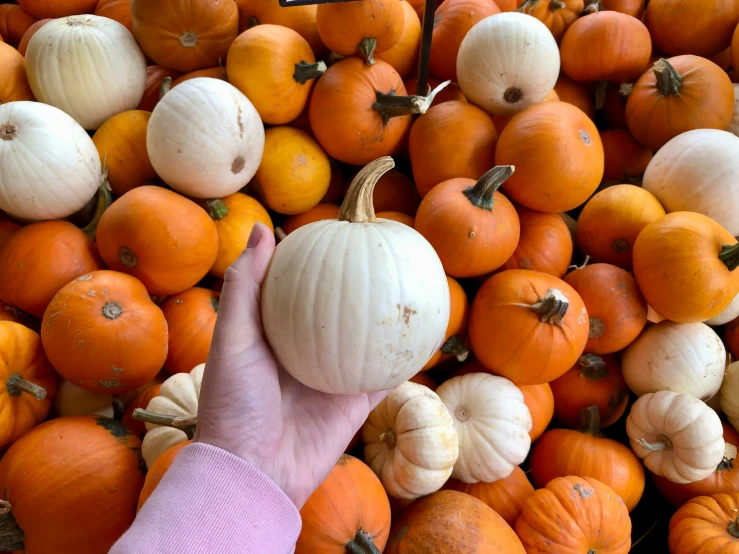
(183, 423)
(216, 208)
(455, 346)
(669, 80)
(105, 199)
(305, 71)
(589, 421)
(367, 47)
(17, 385)
(362, 544)
(482, 193)
(730, 256)
(593, 367)
(215, 303)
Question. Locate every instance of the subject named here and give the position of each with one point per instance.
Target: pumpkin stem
(280, 234)
(16, 385)
(482, 193)
(105, 199)
(727, 463)
(552, 307)
(165, 87)
(455, 346)
(215, 302)
(589, 421)
(362, 544)
(663, 443)
(390, 105)
(357, 206)
(730, 256)
(18, 313)
(366, 48)
(593, 6)
(112, 310)
(592, 366)
(669, 81)
(556, 5)
(251, 21)
(11, 535)
(389, 437)
(183, 423)
(189, 39)
(305, 71)
(528, 6)
(216, 208)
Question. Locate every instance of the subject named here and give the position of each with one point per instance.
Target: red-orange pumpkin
(577, 94)
(403, 56)
(316, 213)
(706, 524)
(7, 230)
(157, 470)
(23, 44)
(14, 22)
(212, 72)
(731, 337)
(119, 10)
(155, 76)
(634, 8)
(395, 192)
(456, 331)
(57, 8)
(540, 402)
(625, 158)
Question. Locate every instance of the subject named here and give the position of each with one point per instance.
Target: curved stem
(390, 105)
(482, 194)
(593, 6)
(592, 366)
(366, 48)
(669, 81)
(362, 544)
(730, 256)
(105, 199)
(217, 209)
(11, 535)
(17, 385)
(357, 206)
(552, 307)
(165, 87)
(589, 421)
(305, 71)
(663, 443)
(184, 423)
(455, 346)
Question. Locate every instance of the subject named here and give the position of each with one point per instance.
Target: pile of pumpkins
(558, 212)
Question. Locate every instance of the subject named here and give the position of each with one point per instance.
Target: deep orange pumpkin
(706, 524)
(316, 213)
(141, 400)
(624, 157)
(422, 378)
(456, 330)
(634, 8)
(118, 10)
(90, 466)
(298, 18)
(14, 22)
(13, 79)
(212, 72)
(731, 337)
(157, 470)
(395, 192)
(352, 495)
(473, 227)
(185, 34)
(57, 8)
(557, 15)
(614, 105)
(61, 252)
(403, 56)
(540, 402)
(160, 237)
(451, 140)
(336, 185)
(541, 326)
(155, 76)
(23, 44)
(576, 94)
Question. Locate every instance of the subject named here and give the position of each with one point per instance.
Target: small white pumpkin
(729, 313)
(357, 304)
(88, 66)
(493, 423)
(49, 166)
(70, 400)
(411, 442)
(688, 358)
(734, 123)
(729, 394)
(698, 171)
(205, 138)
(677, 436)
(178, 396)
(507, 62)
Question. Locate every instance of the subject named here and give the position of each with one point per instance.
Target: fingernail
(255, 236)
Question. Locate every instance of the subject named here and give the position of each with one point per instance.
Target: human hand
(251, 407)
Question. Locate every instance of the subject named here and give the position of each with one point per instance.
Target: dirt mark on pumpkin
(583, 492)
(405, 314)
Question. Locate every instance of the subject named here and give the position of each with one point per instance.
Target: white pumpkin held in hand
(493, 423)
(88, 66)
(205, 138)
(410, 441)
(678, 436)
(49, 166)
(355, 304)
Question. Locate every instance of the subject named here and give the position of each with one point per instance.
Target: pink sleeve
(212, 501)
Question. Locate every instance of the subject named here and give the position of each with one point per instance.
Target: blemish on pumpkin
(92, 294)
(585, 137)
(8, 131)
(238, 165)
(513, 95)
(178, 301)
(472, 234)
(112, 426)
(407, 313)
(140, 461)
(110, 384)
(127, 257)
(85, 277)
(238, 120)
(401, 533)
(621, 246)
(188, 39)
(343, 460)
(583, 492)
(525, 263)
(597, 328)
(117, 370)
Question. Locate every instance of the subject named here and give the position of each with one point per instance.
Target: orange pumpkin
(119, 10)
(541, 326)
(557, 15)
(60, 253)
(404, 55)
(103, 333)
(316, 213)
(678, 95)
(606, 46)
(624, 156)
(501, 121)
(724, 480)
(298, 18)
(456, 330)
(634, 8)
(23, 44)
(27, 382)
(395, 192)
(14, 22)
(447, 94)
(593, 381)
(212, 72)
(191, 319)
(733, 50)
(612, 219)
(614, 105)
(90, 466)
(706, 524)
(185, 34)
(121, 143)
(576, 94)
(155, 76)
(616, 307)
(160, 237)
(451, 140)
(157, 470)
(731, 337)
(451, 522)
(540, 402)
(723, 59)
(545, 244)
(141, 400)
(505, 496)
(473, 227)
(13, 80)
(452, 22)
(685, 266)
(57, 8)
(350, 113)
(586, 514)
(276, 69)
(366, 26)
(352, 495)
(400, 217)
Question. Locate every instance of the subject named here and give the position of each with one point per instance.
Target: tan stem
(389, 105)
(552, 307)
(280, 234)
(482, 194)
(389, 437)
(357, 206)
(17, 385)
(456, 347)
(663, 443)
(165, 87)
(593, 6)
(528, 6)
(669, 80)
(184, 423)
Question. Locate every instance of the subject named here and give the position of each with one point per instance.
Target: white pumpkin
(70, 400)
(357, 304)
(493, 423)
(178, 396)
(688, 358)
(698, 171)
(88, 66)
(734, 123)
(507, 62)
(729, 313)
(205, 138)
(729, 394)
(677, 436)
(49, 166)
(411, 442)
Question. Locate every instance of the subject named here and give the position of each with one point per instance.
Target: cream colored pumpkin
(729, 313)
(355, 304)
(205, 138)
(410, 441)
(734, 123)
(71, 400)
(178, 396)
(688, 358)
(698, 171)
(677, 436)
(89, 66)
(507, 62)
(729, 394)
(49, 166)
(493, 423)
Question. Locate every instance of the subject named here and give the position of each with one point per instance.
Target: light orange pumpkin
(557, 15)
(501, 121)
(540, 402)
(624, 157)
(404, 55)
(23, 44)
(118, 10)
(298, 18)
(456, 331)
(706, 524)
(158, 469)
(13, 80)
(155, 76)
(14, 22)
(576, 94)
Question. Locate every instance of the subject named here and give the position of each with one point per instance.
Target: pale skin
(253, 408)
